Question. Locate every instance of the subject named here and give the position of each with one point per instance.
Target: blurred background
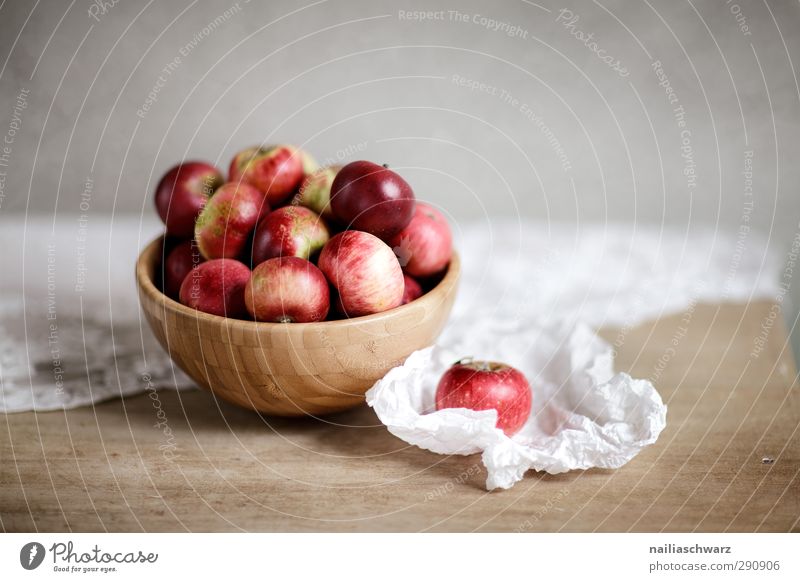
(680, 115)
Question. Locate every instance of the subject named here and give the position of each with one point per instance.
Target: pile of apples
(283, 240)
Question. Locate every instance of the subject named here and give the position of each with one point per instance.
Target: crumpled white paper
(583, 415)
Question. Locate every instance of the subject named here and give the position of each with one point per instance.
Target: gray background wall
(555, 133)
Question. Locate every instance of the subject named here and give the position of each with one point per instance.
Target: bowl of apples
(291, 289)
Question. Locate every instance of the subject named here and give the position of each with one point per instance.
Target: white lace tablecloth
(71, 332)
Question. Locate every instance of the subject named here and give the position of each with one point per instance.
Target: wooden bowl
(291, 369)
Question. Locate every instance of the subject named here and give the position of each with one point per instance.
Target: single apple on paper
(217, 287)
(287, 290)
(480, 385)
(364, 271)
(182, 193)
(225, 224)
(372, 198)
(289, 231)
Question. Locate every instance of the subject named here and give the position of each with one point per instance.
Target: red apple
(275, 170)
(372, 198)
(182, 193)
(364, 271)
(412, 290)
(224, 226)
(179, 263)
(217, 287)
(425, 246)
(479, 385)
(286, 290)
(291, 231)
(315, 191)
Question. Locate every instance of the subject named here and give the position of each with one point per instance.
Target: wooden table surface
(727, 461)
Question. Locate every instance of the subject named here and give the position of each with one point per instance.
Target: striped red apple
(274, 170)
(290, 231)
(225, 224)
(287, 290)
(364, 271)
(425, 245)
(481, 385)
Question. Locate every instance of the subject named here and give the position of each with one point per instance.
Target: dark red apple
(225, 224)
(275, 170)
(179, 263)
(315, 191)
(411, 289)
(364, 271)
(217, 287)
(425, 245)
(479, 385)
(372, 198)
(291, 231)
(181, 194)
(287, 290)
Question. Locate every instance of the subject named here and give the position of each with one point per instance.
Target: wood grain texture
(291, 369)
(116, 467)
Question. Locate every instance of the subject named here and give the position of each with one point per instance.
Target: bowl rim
(150, 253)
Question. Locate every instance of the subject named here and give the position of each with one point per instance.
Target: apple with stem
(372, 198)
(482, 385)
(287, 290)
(182, 193)
(290, 231)
(364, 271)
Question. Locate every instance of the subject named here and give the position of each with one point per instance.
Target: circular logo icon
(31, 555)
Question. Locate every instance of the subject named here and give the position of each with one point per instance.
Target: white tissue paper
(583, 414)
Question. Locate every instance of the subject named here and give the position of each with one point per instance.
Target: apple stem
(385, 166)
